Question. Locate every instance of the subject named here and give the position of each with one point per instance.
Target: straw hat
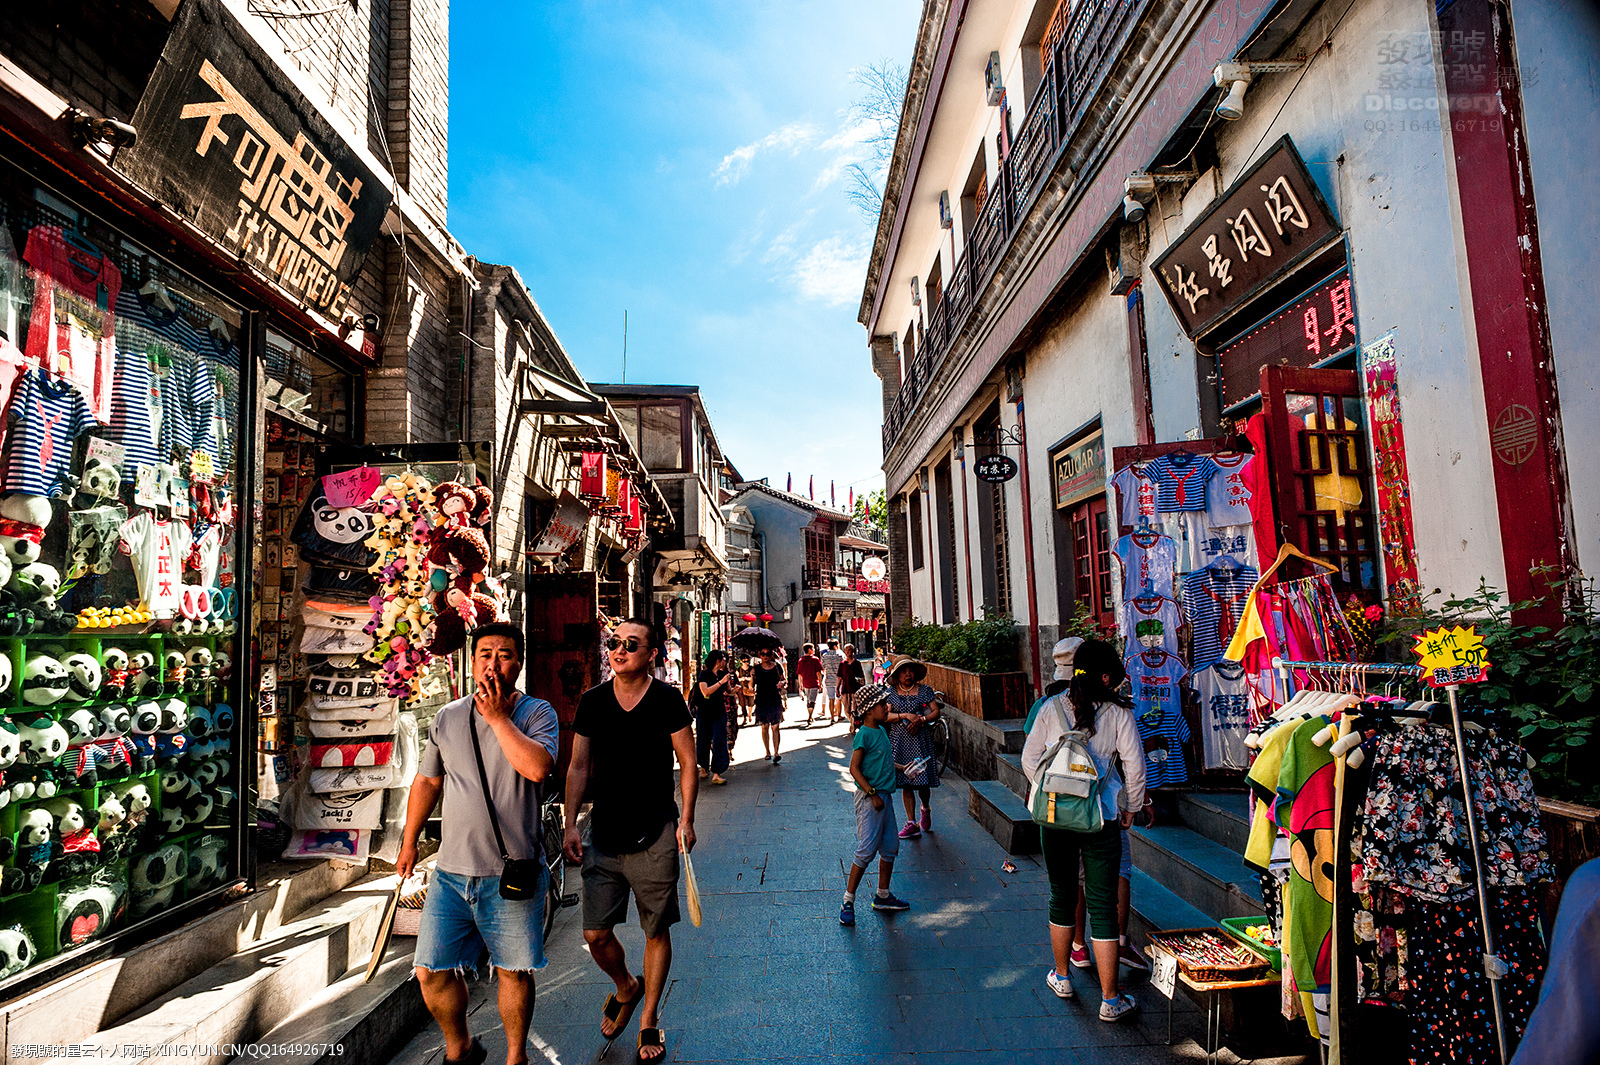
(1065, 651)
(899, 662)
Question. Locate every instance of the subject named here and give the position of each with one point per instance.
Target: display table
(1209, 992)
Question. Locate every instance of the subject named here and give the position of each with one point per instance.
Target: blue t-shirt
(1181, 480)
(47, 416)
(1148, 561)
(1158, 709)
(877, 760)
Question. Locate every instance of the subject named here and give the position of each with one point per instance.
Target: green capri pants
(1102, 856)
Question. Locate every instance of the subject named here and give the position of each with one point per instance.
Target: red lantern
(635, 523)
(766, 619)
(624, 494)
(592, 476)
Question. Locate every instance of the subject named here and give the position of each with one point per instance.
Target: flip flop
(651, 1037)
(620, 1012)
(477, 1054)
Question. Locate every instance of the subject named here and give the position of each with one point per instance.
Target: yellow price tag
(201, 466)
(1453, 655)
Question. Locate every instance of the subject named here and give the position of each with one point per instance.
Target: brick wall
(345, 55)
(97, 54)
(419, 100)
(410, 393)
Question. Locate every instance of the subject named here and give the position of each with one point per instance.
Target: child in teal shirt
(872, 765)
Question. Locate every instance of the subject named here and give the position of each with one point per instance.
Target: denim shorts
(877, 832)
(464, 914)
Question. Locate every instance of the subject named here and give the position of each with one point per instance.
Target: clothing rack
(1493, 966)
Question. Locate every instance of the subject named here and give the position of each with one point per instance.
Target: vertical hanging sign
(592, 476)
(1389, 469)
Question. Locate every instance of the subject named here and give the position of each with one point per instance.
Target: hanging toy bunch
(404, 517)
(458, 552)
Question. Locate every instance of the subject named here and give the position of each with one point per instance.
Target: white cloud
(782, 246)
(832, 271)
(792, 137)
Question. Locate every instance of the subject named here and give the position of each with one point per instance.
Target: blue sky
(685, 162)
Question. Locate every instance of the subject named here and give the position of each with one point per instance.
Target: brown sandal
(651, 1037)
(619, 1012)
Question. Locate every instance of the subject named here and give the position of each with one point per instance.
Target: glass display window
(119, 589)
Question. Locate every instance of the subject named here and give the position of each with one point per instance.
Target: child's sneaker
(1116, 1009)
(927, 819)
(889, 903)
(1080, 956)
(847, 914)
(910, 831)
(1059, 984)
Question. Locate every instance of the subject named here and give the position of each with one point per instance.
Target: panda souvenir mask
(333, 535)
(16, 951)
(44, 681)
(83, 676)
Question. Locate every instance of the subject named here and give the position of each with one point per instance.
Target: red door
(1091, 560)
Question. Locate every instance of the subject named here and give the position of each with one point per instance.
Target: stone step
(1155, 909)
(1220, 816)
(1008, 771)
(1003, 815)
(246, 995)
(83, 1003)
(1201, 872)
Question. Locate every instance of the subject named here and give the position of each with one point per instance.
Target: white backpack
(1066, 790)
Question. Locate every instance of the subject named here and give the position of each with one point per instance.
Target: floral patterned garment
(909, 748)
(1451, 1015)
(1381, 927)
(1413, 837)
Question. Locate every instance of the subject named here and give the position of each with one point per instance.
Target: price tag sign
(351, 488)
(202, 467)
(1164, 972)
(1453, 655)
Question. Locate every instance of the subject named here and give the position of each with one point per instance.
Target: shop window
(304, 389)
(1091, 560)
(124, 427)
(661, 437)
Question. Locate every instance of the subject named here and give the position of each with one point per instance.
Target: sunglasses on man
(629, 644)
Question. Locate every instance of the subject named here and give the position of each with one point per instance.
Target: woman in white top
(1090, 704)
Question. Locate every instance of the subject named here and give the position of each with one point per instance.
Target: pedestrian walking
(873, 769)
(831, 661)
(851, 679)
(1092, 705)
(507, 738)
(912, 707)
(768, 676)
(625, 735)
(1565, 1026)
(808, 671)
(711, 697)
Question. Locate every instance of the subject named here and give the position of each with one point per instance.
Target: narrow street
(772, 975)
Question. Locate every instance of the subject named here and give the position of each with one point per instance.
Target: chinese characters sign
(1266, 224)
(1395, 537)
(1452, 656)
(1311, 330)
(228, 141)
(1080, 470)
(566, 525)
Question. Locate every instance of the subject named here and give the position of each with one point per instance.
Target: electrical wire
(264, 12)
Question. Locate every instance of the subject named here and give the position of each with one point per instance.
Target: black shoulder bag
(519, 880)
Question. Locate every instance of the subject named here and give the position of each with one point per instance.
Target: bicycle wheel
(555, 862)
(941, 743)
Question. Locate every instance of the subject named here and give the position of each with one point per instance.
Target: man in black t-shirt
(624, 737)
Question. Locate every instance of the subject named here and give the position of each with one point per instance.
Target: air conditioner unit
(992, 81)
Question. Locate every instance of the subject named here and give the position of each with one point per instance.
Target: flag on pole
(852, 506)
(811, 486)
(789, 484)
(833, 498)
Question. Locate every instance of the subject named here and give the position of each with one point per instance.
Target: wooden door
(1091, 560)
(563, 649)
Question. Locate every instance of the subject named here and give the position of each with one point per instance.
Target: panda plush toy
(199, 663)
(35, 847)
(17, 951)
(41, 740)
(145, 723)
(115, 720)
(173, 818)
(31, 514)
(82, 725)
(5, 677)
(205, 865)
(144, 680)
(84, 679)
(100, 482)
(44, 680)
(114, 673)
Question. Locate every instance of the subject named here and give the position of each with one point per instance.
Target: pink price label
(351, 488)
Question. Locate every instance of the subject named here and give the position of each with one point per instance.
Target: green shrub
(984, 646)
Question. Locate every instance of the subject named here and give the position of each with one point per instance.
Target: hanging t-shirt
(1224, 715)
(189, 400)
(1151, 622)
(1148, 561)
(207, 555)
(1228, 493)
(72, 330)
(157, 549)
(1181, 480)
(47, 415)
(1137, 490)
(1214, 600)
(14, 286)
(1158, 709)
(1305, 810)
(136, 407)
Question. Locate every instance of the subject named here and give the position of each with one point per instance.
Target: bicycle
(939, 732)
(552, 833)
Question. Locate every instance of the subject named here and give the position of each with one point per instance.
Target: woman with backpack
(1090, 714)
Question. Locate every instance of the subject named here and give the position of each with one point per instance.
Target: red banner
(1394, 483)
(592, 477)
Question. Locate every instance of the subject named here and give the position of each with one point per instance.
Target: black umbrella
(755, 638)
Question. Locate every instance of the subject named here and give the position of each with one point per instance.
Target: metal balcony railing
(1080, 58)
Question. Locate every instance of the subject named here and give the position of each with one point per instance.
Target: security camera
(87, 129)
(1236, 78)
(1132, 209)
(1138, 189)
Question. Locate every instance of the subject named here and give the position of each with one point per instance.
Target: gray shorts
(651, 875)
(810, 697)
(877, 831)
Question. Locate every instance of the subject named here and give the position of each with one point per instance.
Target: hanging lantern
(635, 523)
(592, 476)
(751, 618)
(766, 619)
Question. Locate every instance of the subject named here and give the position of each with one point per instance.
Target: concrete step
(1220, 816)
(1155, 909)
(1003, 815)
(1201, 872)
(1007, 734)
(243, 997)
(83, 1003)
(1008, 771)
(354, 1022)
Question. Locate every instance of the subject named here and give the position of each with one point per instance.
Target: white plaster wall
(1174, 391)
(1558, 53)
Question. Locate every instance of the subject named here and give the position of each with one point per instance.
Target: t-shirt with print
(1148, 561)
(1181, 480)
(72, 330)
(1224, 715)
(877, 757)
(1228, 493)
(831, 661)
(809, 670)
(1137, 491)
(630, 776)
(467, 846)
(1213, 600)
(157, 549)
(1158, 709)
(47, 416)
(1151, 622)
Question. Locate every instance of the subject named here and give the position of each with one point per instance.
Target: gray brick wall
(97, 54)
(899, 567)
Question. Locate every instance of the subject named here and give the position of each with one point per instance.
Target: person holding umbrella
(769, 681)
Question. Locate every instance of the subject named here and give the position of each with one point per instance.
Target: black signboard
(1266, 224)
(996, 469)
(227, 141)
(1318, 326)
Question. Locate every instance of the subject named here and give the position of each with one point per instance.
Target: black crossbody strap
(483, 778)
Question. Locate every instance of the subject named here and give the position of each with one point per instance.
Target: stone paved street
(772, 974)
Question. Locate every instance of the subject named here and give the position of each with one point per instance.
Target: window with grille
(914, 519)
(1002, 551)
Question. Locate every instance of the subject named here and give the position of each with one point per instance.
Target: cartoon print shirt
(1181, 480)
(157, 549)
(1305, 811)
(1224, 715)
(1229, 490)
(47, 415)
(1158, 710)
(1151, 622)
(73, 327)
(1148, 562)
(1137, 491)
(1214, 600)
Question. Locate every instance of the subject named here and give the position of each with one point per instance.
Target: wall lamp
(87, 129)
(1140, 188)
(1236, 78)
